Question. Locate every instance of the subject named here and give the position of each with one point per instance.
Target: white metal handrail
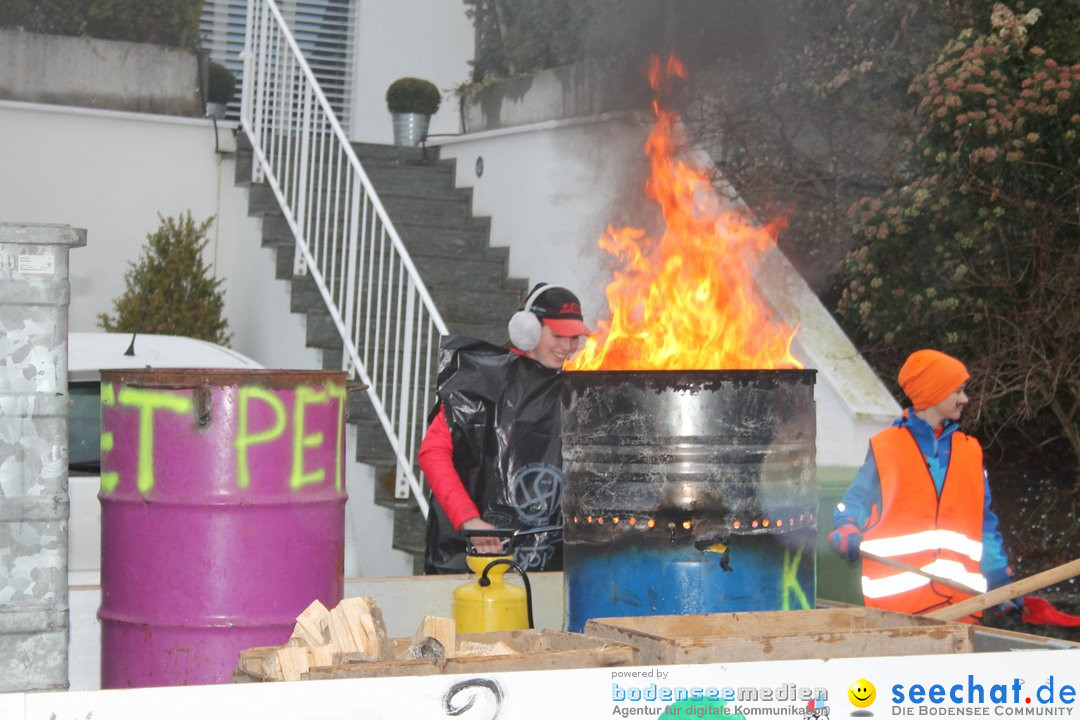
(344, 237)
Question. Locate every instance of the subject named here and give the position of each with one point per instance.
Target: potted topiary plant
(412, 102)
(220, 88)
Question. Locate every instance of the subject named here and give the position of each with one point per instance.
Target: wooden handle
(919, 571)
(1007, 592)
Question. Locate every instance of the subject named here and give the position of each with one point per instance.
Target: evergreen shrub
(170, 290)
(413, 95)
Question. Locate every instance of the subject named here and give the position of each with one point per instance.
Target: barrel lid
(218, 377)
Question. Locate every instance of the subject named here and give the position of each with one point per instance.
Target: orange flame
(686, 301)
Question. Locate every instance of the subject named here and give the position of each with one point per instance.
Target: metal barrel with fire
(688, 492)
(688, 426)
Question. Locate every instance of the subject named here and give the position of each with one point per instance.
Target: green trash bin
(837, 579)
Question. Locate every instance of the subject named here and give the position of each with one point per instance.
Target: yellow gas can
(490, 603)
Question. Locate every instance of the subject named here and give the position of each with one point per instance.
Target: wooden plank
(253, 659)
(442, 629)
(470, 648)
(527, 650)
(531, 650)
(243, 676)
(393, 668)
(1007, 592)
(321, 656)
(791, 635)
(356, 629)
(293, 662)
(310, 625)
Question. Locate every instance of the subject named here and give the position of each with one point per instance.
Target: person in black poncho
(492, 453)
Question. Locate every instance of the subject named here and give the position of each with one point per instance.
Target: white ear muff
(524, 329)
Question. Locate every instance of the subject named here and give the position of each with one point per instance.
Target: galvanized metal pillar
(34, 296)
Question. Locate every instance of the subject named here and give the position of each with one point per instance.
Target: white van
(88, 354)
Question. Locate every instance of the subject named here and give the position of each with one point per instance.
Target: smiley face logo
(862, 693)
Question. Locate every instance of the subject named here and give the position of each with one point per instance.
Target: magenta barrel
(222, 516)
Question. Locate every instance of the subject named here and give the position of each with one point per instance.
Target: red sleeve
(437, 461)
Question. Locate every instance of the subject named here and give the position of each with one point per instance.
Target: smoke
(794, 101)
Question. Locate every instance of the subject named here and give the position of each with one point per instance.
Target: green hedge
(173, 23)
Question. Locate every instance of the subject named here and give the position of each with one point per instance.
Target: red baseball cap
(560, 310)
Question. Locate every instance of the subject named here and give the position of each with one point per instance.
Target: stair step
(425, 180)
(470, 238)
(331, 358)
(424, 183)
(320, 331)
(454, 273)
(458, 304)
(430, 234)
(261, 200)
(475, 305)
(276, 231)
(373, 151)
(494, 333)
(410, 530)
(469, 233)
(441, 272)
(284, 258)
(373, 448)
(435, 211)
(244, 162)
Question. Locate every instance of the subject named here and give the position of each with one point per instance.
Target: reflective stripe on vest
(939, 535)
(904, 581)
(925, 540)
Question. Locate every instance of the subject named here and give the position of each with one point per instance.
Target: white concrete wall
(430, 39)
(551, 189)
(112, 173)
(369, 528)
(102, 74)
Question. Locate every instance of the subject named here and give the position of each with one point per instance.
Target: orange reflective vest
(939, 535)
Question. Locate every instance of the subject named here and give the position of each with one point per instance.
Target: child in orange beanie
(922, 498)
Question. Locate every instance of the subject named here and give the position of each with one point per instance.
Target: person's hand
(997, 578)
(484, 544)
(846, 540)
(1012, 608)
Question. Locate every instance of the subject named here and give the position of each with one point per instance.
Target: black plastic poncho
(503, 410)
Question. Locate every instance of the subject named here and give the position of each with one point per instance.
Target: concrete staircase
(467, 279)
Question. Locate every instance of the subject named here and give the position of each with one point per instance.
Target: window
(84, 428)
(323, 30)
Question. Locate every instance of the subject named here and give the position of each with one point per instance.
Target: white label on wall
(36, 265)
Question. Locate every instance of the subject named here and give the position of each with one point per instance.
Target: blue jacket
(865, 492)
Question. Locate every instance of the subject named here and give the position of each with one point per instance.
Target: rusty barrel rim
(186, 377)
(668, 378)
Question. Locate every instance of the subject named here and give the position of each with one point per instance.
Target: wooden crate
(782, 635)
(536, 650)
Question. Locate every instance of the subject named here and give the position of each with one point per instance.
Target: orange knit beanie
(929, 376)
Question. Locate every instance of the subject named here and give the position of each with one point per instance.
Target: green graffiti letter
(148, 401)
(790, 582)
(338, 392)
(109, 480)
(298, 478)
(244, 439)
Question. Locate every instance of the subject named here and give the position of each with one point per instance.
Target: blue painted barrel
(688, 492)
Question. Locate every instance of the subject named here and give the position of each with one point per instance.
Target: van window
(84, 428)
